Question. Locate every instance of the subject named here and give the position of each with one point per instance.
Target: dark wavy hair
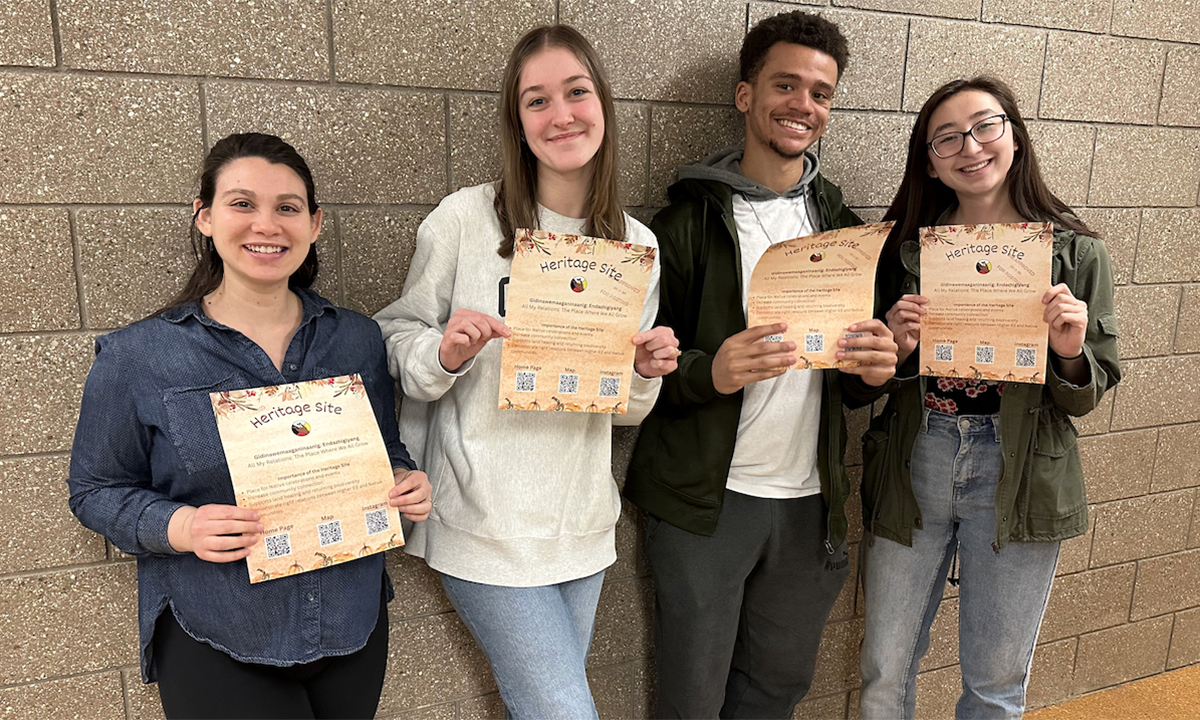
(210, 270)
(516, 192)
(799, 28)
(921, 199)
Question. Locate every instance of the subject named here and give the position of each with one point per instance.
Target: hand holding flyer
(985, 285)
(310, 459)
(819, 285)
(574, 306)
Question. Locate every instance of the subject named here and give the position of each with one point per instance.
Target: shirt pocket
(192, 425)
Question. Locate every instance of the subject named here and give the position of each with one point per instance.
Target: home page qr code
(568, 384)
(943, 352)
(610, 387)
(985, 354)
(526, 381)
(814, 342)
(377, 521)
(329, 533)
(1026, 357)
(278, 545)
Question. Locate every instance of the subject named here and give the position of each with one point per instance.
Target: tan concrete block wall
(106, 109)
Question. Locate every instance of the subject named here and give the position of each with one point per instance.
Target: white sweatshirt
(519, 498)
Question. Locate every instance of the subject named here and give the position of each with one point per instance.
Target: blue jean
(956, 464)
(536, 639)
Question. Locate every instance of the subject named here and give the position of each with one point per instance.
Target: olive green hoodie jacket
(1040, 495)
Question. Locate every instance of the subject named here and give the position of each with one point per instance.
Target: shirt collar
(311, 303)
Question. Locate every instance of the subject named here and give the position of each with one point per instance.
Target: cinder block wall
(106, 109)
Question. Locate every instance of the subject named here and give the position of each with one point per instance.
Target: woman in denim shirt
(148, 471)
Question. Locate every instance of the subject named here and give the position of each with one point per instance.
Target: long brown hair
(210, 269)
(921, 199)
(516, 192)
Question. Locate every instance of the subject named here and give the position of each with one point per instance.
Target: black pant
(196, 680)
(739, 615)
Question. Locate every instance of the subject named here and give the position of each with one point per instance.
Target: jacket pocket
(1055, 477)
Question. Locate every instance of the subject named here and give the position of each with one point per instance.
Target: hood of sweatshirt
(725, 166)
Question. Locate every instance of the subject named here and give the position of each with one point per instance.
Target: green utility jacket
(681, 461)
(1040, 495)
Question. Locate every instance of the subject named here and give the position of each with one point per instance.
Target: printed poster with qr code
(985, 285)
(819, 285)
(574, 305)
(310, 459)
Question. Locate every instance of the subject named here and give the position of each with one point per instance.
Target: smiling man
(740, 465)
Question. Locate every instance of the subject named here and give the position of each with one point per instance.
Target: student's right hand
(744, 358)
(904, 320)
(466, 333)
(216, 533)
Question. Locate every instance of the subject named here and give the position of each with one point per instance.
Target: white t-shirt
(776, 451)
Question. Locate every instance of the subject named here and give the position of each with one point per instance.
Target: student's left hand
(411, 494)
(1068, 318)
(657, 352)
(876, 350)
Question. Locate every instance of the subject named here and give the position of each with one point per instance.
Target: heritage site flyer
(309, 457)
(574, 304)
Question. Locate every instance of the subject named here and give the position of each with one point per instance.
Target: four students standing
(739, 464)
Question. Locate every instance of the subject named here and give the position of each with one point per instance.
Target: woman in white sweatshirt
(524, 502)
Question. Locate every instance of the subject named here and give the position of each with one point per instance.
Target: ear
(203, 217)
(929, 169)
(317, 218)
(742, 95)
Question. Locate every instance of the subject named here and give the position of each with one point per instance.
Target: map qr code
(985, 354)
(526, 381)
(568, 384)
(278, 545)
(329, 533)
(610, 386)
(1026, 357)
(814, 342)
(943, 352)
(377, 521)
(773, 338)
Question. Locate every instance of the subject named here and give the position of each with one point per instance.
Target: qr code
(526, 381)
(1026, 357)
(278, 545)
(773, 338)
(377, 521)
(985, 354)
(814, 342)
(329, 533)
(568, 384)
(610, 386)
(943, 352)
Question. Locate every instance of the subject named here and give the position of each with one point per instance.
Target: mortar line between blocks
(56, 35)
(330, 42)
(77, 251)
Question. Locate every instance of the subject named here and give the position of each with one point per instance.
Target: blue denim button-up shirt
(147, 444)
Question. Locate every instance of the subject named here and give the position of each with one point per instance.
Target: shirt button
(292, 366)
(311, 598)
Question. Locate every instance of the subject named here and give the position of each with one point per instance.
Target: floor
(1171, 696)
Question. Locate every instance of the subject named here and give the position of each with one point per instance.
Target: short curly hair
(796, 27)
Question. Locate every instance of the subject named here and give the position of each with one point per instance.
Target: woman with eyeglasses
(982, 471)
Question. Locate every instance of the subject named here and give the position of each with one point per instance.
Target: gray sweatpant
(739, 615)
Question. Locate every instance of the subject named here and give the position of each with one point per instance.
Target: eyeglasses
(988, 130)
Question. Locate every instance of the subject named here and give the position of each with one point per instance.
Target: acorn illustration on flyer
(309, 457)
(574, 304)
(985, 285)
(819, 285)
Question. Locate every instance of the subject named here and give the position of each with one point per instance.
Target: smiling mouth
(265, 249)
(565, 137)
(794, 126)
(976, 167)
